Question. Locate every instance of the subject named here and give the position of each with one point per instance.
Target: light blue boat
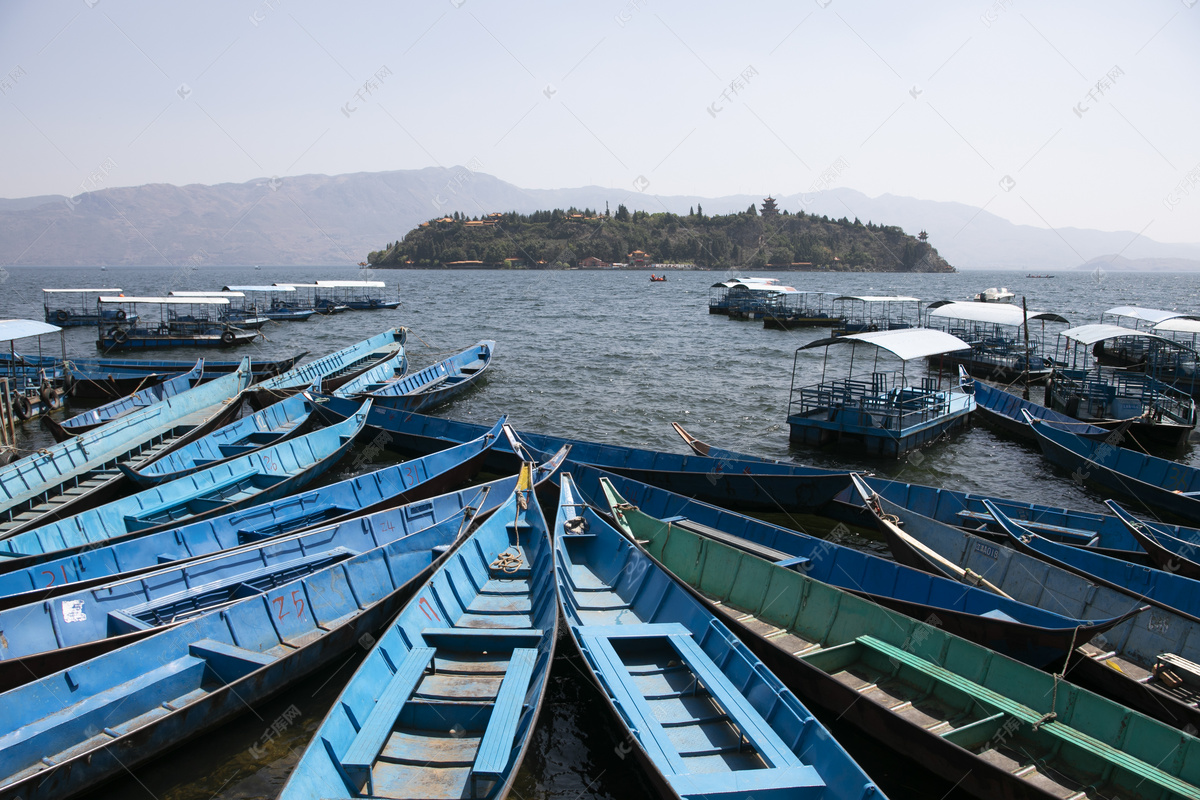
(53, 575)
(273, 425)
(95, 417)
(255, 478)
(69, 731)
(81, 472)
(332, 370)
(437, 383)
(375, 378)
(706, 717)
(445, 702)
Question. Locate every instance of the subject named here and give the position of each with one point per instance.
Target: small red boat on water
(659, 279)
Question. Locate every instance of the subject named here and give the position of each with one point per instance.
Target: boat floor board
(458, 687)
(431, 748)
(1012, 760)
(495, 620)
(403, 781)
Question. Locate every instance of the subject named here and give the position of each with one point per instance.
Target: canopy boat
(800, 310)
(271, 426)
(375, 378)
(995, 295)
(1001, 411)
(1158, 484)
(757, 486)
(240, 311)
(1177, 365)
(740, 292)
(445, 703)
(992, 726)
(1082, 388)
(1167, 551)
(868, 313)
(267, 474)
(69, 308)
(173, 328)
(1098, 532)
(71, 730)
(704, 715)
(319, 298)
(80, 473)
(437, 383)
(1034, 635)
(95, 417)
(29, 389)
(1169, 590)
(1120, 663)
(361, 295)
(399, 484)
(1002, 348)
(278, 305)
(332, 370)
(87, 622)
(888, 415)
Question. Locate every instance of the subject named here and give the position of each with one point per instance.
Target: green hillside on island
(766, 239)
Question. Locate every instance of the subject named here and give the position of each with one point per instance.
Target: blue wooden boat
(884, 412)
(356, 295)
(273, 425)
(703, 714)
(54, 575)
(437, 383)
(444, 704)
(1002, 410)
(1034, 635)
(757, 486)
(1101, 533)
(1167, 551)
(79, 473)
(70, 731)
(375, 378)
(277, 307)
(1158, 587)
(332, 370)
(212, 369)
(267, 474)
(95, 417)
(174, 329)
(44, 638)
(1119, 663)
(1156, 484)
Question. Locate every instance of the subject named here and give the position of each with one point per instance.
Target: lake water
(611, 357)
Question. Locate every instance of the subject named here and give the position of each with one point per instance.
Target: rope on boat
(1058, 678)
(509, 561)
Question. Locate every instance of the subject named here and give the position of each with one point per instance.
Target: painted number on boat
(408, 474)
(269, 462)
(427, 610)
(987, 550)
(54, 577)
(297, 604)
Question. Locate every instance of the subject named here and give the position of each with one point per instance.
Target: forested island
(584, 238)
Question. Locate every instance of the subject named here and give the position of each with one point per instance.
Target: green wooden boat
(995, 727)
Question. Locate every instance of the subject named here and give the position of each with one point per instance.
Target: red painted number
(427, 610)
(54, 577)
(408, 474)
(297, 605)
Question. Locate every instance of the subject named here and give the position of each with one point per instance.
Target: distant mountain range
(320, 219)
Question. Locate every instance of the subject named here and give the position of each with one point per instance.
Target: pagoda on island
(769, 209)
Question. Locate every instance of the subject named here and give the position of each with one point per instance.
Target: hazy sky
(1080, 114)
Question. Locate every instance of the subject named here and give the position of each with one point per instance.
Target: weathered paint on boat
(437, 383)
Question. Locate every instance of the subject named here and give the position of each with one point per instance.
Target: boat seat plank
(478, 639)
(1028, 716)
(1059, 530)
(496, 747)
(377, 727)
(170, 505)
(737, 542)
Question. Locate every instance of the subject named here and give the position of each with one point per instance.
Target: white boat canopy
(879, 298)
(731, 282)
(1179, 325)
(11, 329)
(1090, 334)
(276, 288)
(204, 300)
(905, 343)
(81, 291)
(208, 294)
(351, 284)
(1151, 315)
(995, 313)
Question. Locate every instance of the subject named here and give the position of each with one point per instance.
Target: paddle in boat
(992, 726)
(445, 703)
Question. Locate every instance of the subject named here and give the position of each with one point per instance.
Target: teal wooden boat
(80, 473)
(69, 731)
(332, 370)
(994, 727)
(437, 383)
(375, 378)
(95, 417)
(255, 478)
(273, 425)
(444, 705)
(1120, 663)
(703, 714)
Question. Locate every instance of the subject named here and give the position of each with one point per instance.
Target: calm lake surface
(610, 357)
